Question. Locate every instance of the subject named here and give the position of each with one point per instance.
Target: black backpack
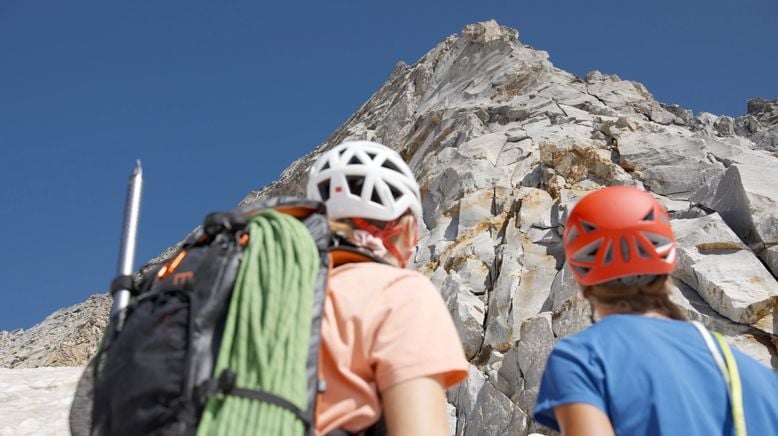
(153, 374)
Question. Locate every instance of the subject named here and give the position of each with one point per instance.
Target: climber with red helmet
(642, 369)
(388, 344)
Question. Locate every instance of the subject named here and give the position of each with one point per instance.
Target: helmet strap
(390, 229)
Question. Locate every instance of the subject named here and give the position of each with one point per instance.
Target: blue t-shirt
(654, 376)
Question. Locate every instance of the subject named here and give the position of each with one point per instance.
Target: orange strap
(390, 229)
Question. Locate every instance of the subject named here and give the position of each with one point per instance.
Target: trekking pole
(121, 297)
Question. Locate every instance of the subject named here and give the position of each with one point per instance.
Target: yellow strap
(735, 388)
(714, 350)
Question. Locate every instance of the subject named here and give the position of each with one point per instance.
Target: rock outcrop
(67, 337)
(760, 124)
(503, 145)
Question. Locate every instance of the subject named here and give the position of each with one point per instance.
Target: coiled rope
(267, 330)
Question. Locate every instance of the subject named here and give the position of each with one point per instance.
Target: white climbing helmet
(364, 179)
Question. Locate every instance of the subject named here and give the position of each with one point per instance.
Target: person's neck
(603, 312)
(654, 314)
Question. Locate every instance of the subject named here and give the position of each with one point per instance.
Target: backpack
(181, 362)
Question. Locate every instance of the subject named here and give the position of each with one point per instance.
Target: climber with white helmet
(389, 347)
(643, 369)
(363, 181)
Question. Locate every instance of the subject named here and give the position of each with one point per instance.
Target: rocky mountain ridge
(503, 144)
(67, 337)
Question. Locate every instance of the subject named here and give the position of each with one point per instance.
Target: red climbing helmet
(618, 233)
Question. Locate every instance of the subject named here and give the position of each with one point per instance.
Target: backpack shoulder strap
(714, 351)
(725, 360)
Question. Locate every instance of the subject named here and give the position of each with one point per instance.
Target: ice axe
(122, 284)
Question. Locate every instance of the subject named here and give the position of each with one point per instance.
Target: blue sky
(217, 98)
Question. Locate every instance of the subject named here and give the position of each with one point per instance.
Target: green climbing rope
(267, 331)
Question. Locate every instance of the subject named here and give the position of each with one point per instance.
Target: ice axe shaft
(121, 297)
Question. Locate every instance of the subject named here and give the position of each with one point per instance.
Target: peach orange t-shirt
(381, 326)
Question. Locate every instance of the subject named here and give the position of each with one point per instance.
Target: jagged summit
(488, 69)
(503, 143)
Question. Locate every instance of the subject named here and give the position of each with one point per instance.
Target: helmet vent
(573, 235)
(587, 227)
(355, 184)
(391, 166)
(396, 193)
(324, 190)
(371, 155)
(641, 251)
(624, 248)
(660, 242)
(326, 166)
(588, 253)
(650, 216)
(375, 198)
(355, 161)
(608, 258)
(582, 270)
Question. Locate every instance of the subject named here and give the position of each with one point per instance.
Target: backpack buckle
(213, 386)
(226, 382)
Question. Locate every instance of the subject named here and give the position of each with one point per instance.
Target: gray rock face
(744, 337)
(503, 145)
(725, 272)
(467, 309)
(533, 350)
(747, 199)
(760, 125)
(482, 409)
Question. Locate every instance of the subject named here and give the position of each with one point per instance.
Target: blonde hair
(641, 298)
(345, 228)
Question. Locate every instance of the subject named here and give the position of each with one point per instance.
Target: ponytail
(342, 229)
